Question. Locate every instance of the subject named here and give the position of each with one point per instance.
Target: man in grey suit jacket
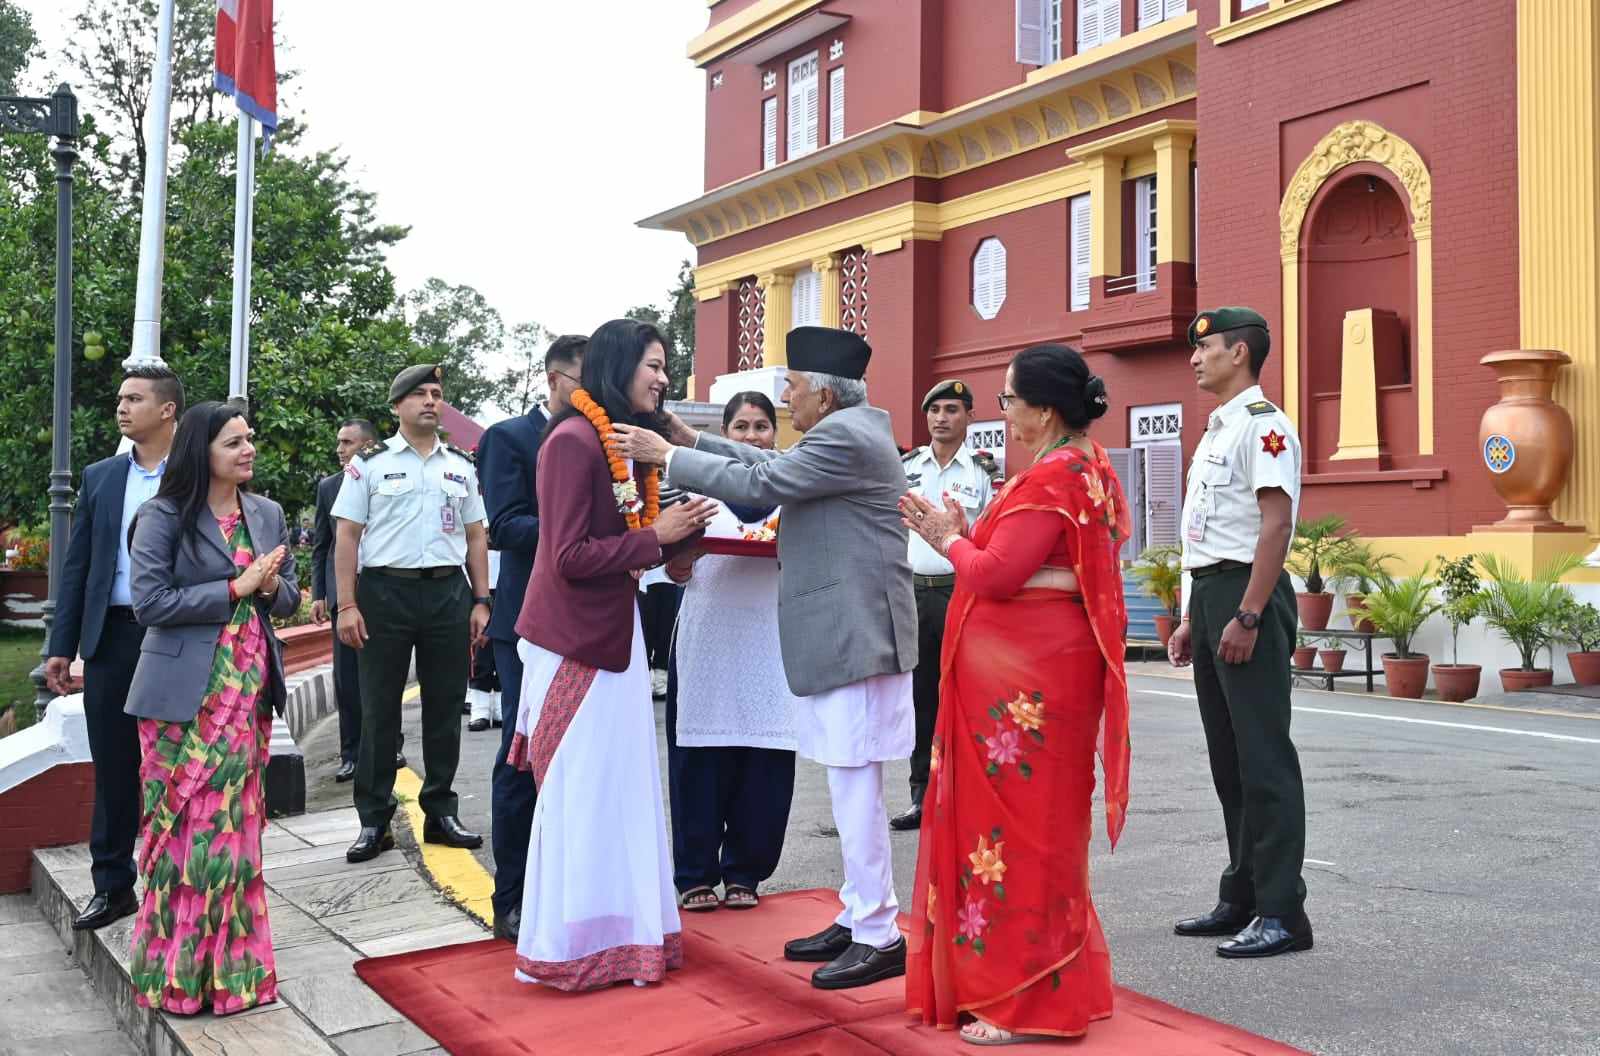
(847, 618)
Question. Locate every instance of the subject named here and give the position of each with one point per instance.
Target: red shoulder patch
(1273, 443)
(351, 471)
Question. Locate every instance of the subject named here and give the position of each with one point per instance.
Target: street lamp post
(55, 116)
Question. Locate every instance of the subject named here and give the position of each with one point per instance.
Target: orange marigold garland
(626, 491)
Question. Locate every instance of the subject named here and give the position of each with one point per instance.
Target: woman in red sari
(1031, 686)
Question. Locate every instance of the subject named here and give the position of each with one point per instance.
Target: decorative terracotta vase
(1304, 658)
(1357, 603)
(1518, 680)
(1315, 609)
(1526, 439)
(1405, 676)
(1585, 668)
(1457, 682)
(1164, 626)
(1332, 660)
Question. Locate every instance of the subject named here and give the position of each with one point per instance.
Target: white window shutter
(1177, 8)
(1144, 233)
(1110, 20)
(980, 281)
(796, 118)
(803, 106)
(989, 278)
(1163, 483)
(1150, 12)
(836, 104)
(806, 299)
(1128, 463)
(1245, 5)
(769, 132)
(1031, 32)
(1194, 202)
(1088, 24)
(1082, 227)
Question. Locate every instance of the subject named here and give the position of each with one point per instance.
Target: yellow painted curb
(454, 870)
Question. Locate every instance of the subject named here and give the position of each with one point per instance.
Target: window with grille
(1158, 422)
(989, 278)
(806, 299)
(752, 323)
(803, 106)
(853, 272)
(1145, 229)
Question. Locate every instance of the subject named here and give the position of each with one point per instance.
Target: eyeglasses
(1005, 399)
(569, 377)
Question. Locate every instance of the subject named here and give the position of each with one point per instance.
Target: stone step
(49, 1005)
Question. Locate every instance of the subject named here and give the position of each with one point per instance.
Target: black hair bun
(1095, 402)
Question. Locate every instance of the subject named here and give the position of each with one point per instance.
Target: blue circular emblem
(1499, 453)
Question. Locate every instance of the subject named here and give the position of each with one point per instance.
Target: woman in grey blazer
(209, 565)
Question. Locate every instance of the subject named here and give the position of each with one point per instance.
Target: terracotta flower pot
(1332, 660)
(1358, 603)
(1457, 682)
(1525, 440)
(1405, 676)
(1164, 626)
(1516, 680)
(1585, 668)
(1315, 609)
(1304, 657)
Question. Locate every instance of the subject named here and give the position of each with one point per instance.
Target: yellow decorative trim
(1105, 211)
(712, 291)
(1527, 550)
(918, 118)
(1136, 140)
(1558, 183)
(1172, 197)
(899, 151)
(1013, 197)
(755, 20)
(1347, 144)
(777, 289)
(1277, 13)
(1358, 389)
(1172, 27)
(827, 269)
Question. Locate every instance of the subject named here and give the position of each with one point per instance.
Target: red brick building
(1399, 187)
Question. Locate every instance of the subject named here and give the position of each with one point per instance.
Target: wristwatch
(1247, 619)
(483, 601)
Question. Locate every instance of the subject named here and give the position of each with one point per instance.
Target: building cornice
(1232, 27)
(740, 29)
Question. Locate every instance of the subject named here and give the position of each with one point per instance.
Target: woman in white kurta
(730, 715)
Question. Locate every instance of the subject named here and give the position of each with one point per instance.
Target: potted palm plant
(1159, 572)
(1332, 657)
(1398, 609)
(1317, 546)
(1305, 653)
(1580, 626)
(1525, 613)
(1357, 569)
(1463, 600)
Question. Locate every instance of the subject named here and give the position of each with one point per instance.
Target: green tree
(677, 326)
(17, 44)
(522, 384)
(457, 327)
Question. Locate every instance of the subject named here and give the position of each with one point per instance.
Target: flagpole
(243, 240)
(146, 346)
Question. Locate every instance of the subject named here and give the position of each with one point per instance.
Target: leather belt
(930, 582)
(436, 572)
(1220, 566)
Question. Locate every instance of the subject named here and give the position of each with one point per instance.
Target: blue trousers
(512, 792)
(730, 807)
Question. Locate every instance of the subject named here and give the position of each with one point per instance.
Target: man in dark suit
(94, 619)
(508, 457)
(354, 434)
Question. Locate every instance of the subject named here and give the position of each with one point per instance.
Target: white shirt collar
(1230, 410)
(963, 455)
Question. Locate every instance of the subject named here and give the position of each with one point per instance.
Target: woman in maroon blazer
(598, 903)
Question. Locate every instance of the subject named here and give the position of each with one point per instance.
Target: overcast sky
(520, 141)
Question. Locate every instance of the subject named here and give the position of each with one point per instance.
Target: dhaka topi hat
(826, 350)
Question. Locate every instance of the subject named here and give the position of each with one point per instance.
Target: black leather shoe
(906, 822)
(346, 771)
(861, 965)
(103, 909)
(508, 927)
(825, 945)
(450, 832)
(399, 760)
(1226, 919)
(1268, 937)
(372, 842)
(478, 725)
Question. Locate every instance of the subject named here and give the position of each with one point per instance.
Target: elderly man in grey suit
(847, 618)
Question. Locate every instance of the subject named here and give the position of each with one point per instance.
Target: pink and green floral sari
(202, 937)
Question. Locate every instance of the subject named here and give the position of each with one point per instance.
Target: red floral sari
(1031, 685)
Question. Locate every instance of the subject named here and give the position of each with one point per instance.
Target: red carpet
(735, 994)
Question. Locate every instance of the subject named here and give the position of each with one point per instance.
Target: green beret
(949, 390)
(1218, 320)
(411, 377)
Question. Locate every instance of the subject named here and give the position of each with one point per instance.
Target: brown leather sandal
(700, 899)
(737, 896)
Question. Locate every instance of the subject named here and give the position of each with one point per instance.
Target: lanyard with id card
(447, 518)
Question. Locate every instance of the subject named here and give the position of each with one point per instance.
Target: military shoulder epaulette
(468, 455)
(909, 455)
(1260, 407)
(987, 463)
(377, 447)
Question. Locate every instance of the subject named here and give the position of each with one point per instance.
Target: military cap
(949, 390)
(825, 350)
(1218, 320)
(411, 377)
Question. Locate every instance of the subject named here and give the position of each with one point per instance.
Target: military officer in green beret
(1238, 630)
(411, 511)
(946, 466)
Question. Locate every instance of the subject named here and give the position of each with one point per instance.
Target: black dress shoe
(906, 822)
(1226, 919)
(861, 965)
(399, 760)
(825, 945)
(372, 842)
(103, 909)
(1268, 937)
(346, 771)
(509, 926)
(450, 832)
(478, 725)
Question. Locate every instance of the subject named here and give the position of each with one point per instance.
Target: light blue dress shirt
(141, 486)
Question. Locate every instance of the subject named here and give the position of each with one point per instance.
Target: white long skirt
(598, 905)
